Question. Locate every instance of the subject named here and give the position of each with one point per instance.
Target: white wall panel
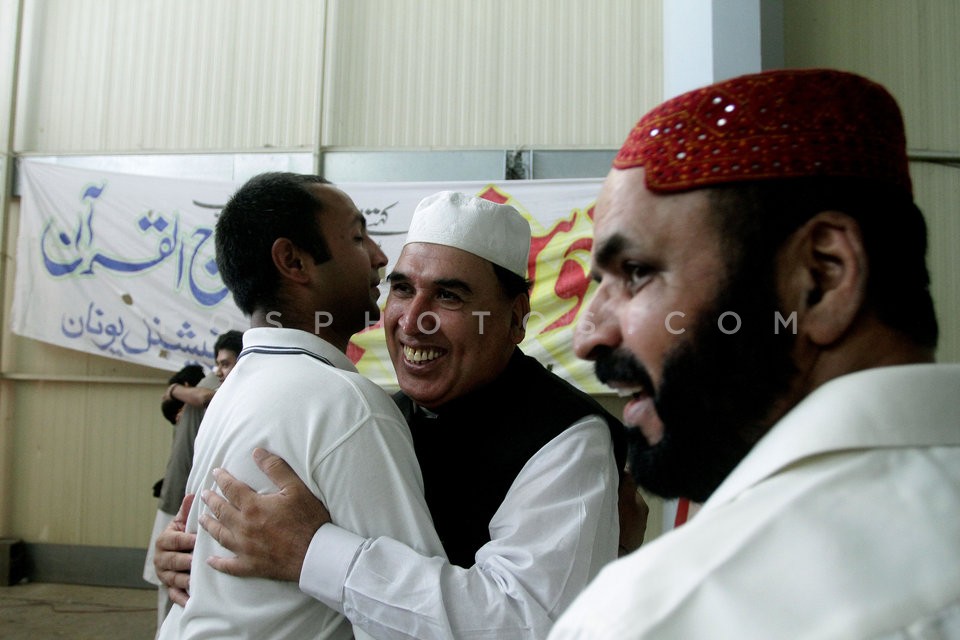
(489, 73)
(170, 75)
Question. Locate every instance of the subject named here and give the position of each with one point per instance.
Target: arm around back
(193, 396)
(554, 531)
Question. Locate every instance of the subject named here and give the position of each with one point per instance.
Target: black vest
(475, 447)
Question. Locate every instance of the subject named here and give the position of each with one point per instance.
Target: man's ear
(518, 316)
(825, 265)
(289, 259)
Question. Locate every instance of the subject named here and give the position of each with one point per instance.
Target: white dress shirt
(843, 522)
(551, 535)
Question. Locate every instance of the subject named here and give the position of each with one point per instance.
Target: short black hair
(756, 218)
(231, 340)
(512, 284)
(190, 375)
(267, 207)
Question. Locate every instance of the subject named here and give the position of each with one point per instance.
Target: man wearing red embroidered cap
(763, 296)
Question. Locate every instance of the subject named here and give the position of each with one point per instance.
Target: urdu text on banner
(123, 266)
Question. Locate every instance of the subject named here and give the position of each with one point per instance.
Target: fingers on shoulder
(275, 468)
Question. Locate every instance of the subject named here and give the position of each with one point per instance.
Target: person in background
(189, 376)
(171, 409)
(519, 467)
(195, 399)
(190, 402)
(764, 298)
(227, 348)
(295, 253)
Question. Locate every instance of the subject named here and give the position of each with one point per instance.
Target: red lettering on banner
(493, 195)
(572, 281)
(355, 352)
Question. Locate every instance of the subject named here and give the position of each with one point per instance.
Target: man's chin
(660, 486)
(416, 389)
(666, 470)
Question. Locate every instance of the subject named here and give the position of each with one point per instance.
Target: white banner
(123, 265)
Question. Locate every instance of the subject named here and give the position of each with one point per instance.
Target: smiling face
(450, 329)
(700, 396)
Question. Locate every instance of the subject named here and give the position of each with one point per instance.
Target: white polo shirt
(300, 398)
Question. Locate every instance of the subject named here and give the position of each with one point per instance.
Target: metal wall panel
(81, 439)
(399, 166)
(170, 75)
(84, 462)
(8, 39)
(912, 49)
(489, 73)
(939, 199)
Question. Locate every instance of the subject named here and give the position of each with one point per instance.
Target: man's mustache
(619, 365)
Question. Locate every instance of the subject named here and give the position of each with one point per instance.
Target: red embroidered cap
(775, 124)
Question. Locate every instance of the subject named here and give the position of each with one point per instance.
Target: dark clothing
(471, 451)
(181, 452)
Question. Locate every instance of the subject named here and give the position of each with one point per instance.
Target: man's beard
(715, 393)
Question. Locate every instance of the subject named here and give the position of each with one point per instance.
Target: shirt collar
(902, 406)
(292, 339)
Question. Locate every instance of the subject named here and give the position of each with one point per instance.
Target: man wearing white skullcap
(494, 232)
(519, 467)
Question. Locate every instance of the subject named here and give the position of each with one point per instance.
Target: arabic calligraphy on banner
(124, 266)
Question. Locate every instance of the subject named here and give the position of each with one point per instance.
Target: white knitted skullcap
(495, 232)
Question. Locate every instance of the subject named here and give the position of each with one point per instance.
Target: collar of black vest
(503, 388)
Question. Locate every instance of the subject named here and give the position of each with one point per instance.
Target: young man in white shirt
(295, 253)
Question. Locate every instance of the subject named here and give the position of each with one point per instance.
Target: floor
(37, 611)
